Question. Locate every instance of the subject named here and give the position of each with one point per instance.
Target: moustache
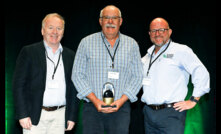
(156, 37)
(110, 26)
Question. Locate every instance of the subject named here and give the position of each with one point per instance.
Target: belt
(158, 107)
(52, 108)
(84, 101)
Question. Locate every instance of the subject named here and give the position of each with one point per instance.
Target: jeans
(95, 122)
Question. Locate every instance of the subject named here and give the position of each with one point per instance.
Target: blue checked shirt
(93, 62)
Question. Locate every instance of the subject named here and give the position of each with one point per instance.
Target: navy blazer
(30, 79)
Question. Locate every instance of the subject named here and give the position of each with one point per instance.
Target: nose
(54, 31)
(110, 20)
(157, 33)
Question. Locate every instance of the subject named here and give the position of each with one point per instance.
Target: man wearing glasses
(107, 56)
(167, 67)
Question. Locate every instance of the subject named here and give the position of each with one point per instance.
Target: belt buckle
(169, 105)
(60, 106)
(157, 107)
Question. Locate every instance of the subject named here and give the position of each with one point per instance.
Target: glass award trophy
(108, 94)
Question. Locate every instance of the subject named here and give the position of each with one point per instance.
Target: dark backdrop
(193, 24)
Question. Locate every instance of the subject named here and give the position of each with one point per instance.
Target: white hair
(101, 12)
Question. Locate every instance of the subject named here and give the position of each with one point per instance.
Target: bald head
(159, 22)
(160, 32)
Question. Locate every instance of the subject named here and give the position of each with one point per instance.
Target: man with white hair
(107, 56)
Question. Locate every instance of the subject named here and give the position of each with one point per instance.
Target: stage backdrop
(190, 23)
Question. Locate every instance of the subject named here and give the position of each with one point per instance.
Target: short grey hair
(101, 12)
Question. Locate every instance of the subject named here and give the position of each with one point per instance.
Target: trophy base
(114, 106)
(108, 100)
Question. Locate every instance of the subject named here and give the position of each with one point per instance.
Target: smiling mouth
(158, 37)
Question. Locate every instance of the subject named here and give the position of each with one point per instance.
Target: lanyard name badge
(146, 80)
(53, 84)
(112, 74)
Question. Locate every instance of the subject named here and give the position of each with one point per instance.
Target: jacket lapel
(65, 62)
(42, 60)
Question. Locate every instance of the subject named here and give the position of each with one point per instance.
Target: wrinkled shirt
(169, 75)
(93, 62)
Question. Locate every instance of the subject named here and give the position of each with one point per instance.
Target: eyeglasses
(160, 31)
(110, 17)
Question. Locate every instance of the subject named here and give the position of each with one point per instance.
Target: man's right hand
(98, 103)
(26, 123)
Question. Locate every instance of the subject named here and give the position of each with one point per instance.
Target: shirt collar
(48, 48)
(105, 39)
(150, 50)
(103, 36)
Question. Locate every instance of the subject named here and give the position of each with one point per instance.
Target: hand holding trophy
(108, 94)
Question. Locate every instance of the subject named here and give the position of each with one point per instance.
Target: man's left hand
(184, 105)
(70, 125)
(119, 103)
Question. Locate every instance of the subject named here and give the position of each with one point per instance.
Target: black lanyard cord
(151, 63)
(112, 57)
(55, 67)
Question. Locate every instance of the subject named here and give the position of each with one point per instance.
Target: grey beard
(159, 45)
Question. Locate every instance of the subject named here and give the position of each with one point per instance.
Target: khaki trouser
(51, 122)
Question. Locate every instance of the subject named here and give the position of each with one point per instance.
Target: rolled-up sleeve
(199, 73)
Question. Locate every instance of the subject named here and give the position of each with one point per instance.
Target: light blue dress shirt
(54, 96)
(93, 62)
(169, 75)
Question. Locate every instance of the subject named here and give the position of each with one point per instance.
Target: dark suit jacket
(30, 79)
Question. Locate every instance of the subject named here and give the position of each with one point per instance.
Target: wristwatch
(193, 99)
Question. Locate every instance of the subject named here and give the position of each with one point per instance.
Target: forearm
(123, 98)
(92, 97)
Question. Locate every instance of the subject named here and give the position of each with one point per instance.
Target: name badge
(53, 84)
(113, 75)
(146, 81)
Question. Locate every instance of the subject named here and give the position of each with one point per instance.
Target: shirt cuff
(130, 96)
(83, 94)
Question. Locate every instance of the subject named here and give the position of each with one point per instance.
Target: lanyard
(151, 63)
(112, 57)
(55, 67)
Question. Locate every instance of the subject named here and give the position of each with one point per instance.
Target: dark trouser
(95, 122)
(163, 121)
